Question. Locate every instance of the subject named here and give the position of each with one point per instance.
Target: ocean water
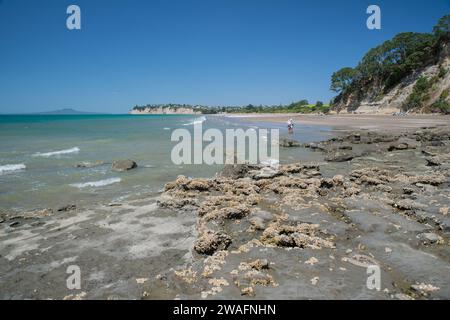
(39, 154)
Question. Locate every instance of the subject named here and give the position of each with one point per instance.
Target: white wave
(273, 163)
(100, 183)
(56, 153)
(11, 167)
(199, 120)
(166, 128)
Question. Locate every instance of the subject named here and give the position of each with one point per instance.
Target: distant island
(65, 111)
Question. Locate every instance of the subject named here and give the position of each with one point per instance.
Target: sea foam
(199, 120)
(11, 167)
(273, 163)
(56, 153)
(99, 183)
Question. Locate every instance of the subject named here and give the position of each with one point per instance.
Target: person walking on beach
(290, 125)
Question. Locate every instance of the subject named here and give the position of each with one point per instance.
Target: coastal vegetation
(409, 72)
(302, 106)
(395, 61)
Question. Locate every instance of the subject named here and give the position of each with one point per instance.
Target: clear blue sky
(216, 52)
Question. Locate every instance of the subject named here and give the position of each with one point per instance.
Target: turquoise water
(38, 154)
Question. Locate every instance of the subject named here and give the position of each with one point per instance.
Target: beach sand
(346, 122)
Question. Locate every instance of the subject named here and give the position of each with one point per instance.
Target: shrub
(418, 94)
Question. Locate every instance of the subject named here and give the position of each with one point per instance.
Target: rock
(257, 223)
(169, 202)
(408, 204)
(402, 296)
(183, 183)
(68, 207)
(141, 280)
(345, 147)
(361, 260)
(258, 278)
(236, 171)
(434, 143)
(410, 143)
(400, 146)
(247, 291)
(326, 183)
(42, 213)
(338, 180)
(428, 153)
(314, 281)
(432, 178)
(259, 264)
(14, 224)
(424, 289)
(303, 235)
(429, 238)
(408, 190)
(265, 173)
(114, 204)
(312, 145)
(235, 212)
(384, 188)
(443, 210)
(210, 241)
(123, 165)
(312, 261)
(339, 156)
(288, 143)
(259, 219)
(86, 164)
(433, 161)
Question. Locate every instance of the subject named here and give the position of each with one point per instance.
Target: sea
(40, 156)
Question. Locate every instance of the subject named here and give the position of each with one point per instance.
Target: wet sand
(348, 122)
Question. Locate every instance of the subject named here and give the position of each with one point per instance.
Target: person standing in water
(290, 125)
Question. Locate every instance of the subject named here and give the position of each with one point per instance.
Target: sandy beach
(347, 122)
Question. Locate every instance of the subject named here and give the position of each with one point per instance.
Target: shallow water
(38, 154)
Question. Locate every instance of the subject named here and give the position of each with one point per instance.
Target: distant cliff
(409, 73)
(167, 109)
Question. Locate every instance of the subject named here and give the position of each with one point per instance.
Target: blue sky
(216, 52)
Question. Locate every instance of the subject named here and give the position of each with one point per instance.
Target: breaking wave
(99, 183)
(196, 121)
(11, 168)
(56, 153)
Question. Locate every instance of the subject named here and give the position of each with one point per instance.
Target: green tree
(442, 29)
(341, 79)
(303, 102)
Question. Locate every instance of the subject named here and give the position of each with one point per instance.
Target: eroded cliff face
(372, 100)
(165, 110)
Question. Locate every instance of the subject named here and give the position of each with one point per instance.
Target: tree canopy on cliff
(386, 65)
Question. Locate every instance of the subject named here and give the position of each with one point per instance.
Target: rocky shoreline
(294, 231)
(387, 206)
